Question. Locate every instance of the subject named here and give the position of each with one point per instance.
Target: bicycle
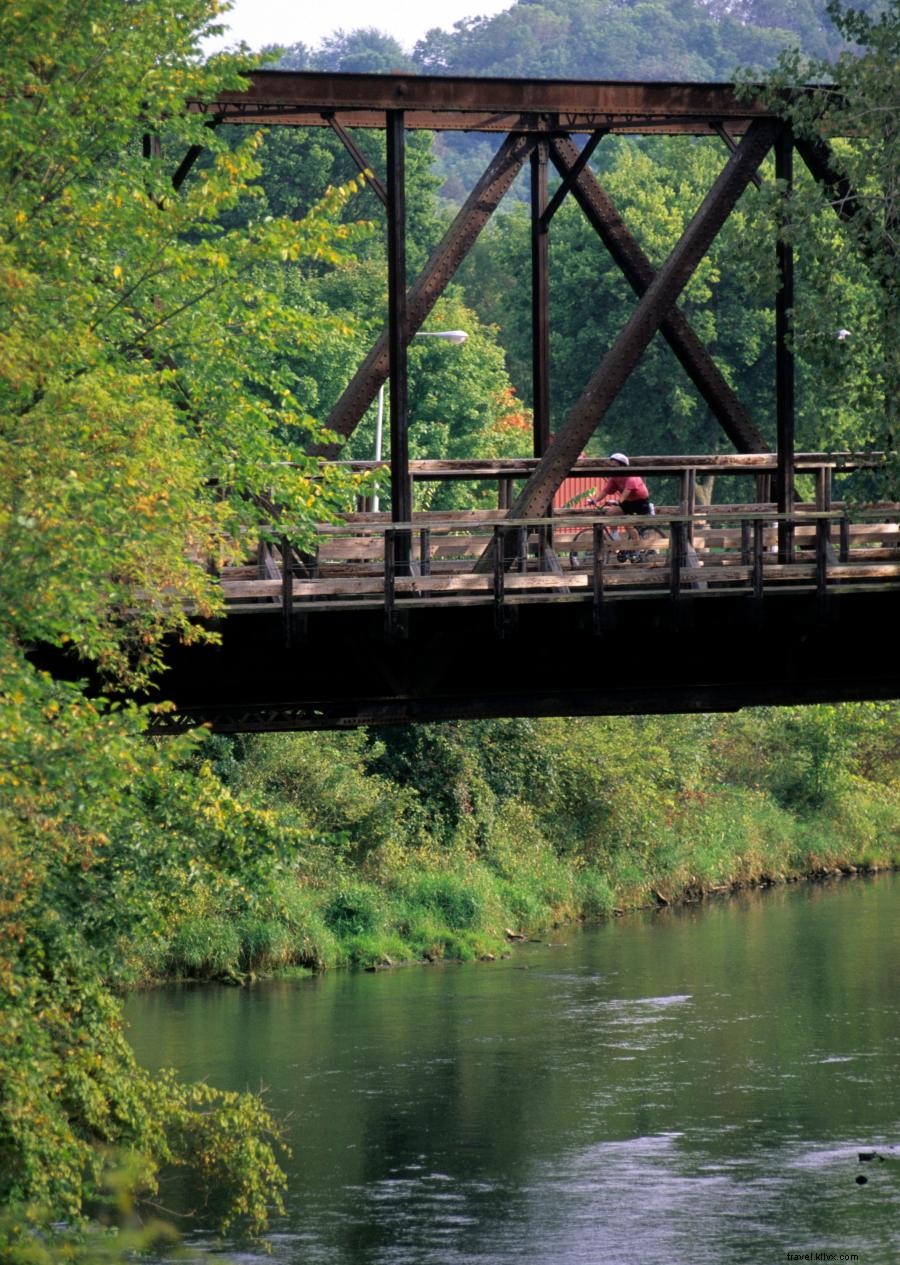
(582, 545)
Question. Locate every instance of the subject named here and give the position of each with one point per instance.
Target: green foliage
(450, 896)
(854, 102)
(148, 396)
(102, 836)
(631, 39)
(352, 910)
(145, 399)
(523, 824)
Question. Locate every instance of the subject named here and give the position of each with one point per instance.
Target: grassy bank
(443, 841)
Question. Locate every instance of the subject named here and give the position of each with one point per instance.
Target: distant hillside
(678, 40)
(596, 39)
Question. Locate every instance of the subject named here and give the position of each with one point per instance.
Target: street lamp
(449, 336)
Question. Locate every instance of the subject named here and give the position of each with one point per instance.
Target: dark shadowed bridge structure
(534, 607)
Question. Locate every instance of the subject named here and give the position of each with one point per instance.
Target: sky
(263, 22)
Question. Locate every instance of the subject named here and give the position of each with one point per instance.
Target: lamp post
(449, 336)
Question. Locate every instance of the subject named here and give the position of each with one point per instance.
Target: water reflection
(691, 1086)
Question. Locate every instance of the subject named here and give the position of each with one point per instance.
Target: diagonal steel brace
(432, 281)
(609, 378)
(639, 272)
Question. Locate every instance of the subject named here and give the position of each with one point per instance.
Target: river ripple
(688, 1086)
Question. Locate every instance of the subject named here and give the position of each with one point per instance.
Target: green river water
(693, 1085)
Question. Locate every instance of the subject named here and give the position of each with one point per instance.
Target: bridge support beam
(784, 353)
(540, 301)
(648, 316)
(639, 272)
(398, 337)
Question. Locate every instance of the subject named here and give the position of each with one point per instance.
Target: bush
(353, 910)
(204, 946)
(451, 896)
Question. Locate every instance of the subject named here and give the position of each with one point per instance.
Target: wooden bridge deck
(715, 607)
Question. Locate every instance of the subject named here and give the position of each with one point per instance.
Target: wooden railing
(368, 561)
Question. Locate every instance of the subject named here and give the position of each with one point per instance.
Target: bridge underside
(653, 655)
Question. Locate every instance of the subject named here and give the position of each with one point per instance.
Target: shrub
(451, 896)
(204, 946)
(353, 910)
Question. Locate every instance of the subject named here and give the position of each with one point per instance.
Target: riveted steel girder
(451, 103)
(638, 270)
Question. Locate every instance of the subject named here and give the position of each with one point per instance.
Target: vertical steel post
(540, 304)
(784, 355)
(401, 499)
(822, 543)
(746, 537)
(844, 538)
(823, 498)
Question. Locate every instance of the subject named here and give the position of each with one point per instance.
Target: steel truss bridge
(531, 609)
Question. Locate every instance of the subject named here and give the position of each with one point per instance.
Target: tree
(146, 401)
(851, 106)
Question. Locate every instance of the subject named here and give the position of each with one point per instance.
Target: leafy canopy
(148, 398)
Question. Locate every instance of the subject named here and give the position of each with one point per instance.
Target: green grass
(454, 902)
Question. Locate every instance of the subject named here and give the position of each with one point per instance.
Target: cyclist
(628, 495)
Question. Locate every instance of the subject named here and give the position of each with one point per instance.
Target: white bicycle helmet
(619, 457)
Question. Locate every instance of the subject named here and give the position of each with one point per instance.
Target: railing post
(597, 573)
(287, 592)
(425, 551)
(499, 569)
(845, 538)
(823, 496)
(758, 552)
(822, 545)
(389, 573)
(746, 538)
(676, 557)
(689, 501)
(522, 548)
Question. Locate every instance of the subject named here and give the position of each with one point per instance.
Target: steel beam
(540, 302)
(784, 352)
(365, 168)
(431, 283)
(649, 314)
(448, 103)
(572, 175)
(817, 156)
(639, 272)
(398, 336)
(724, 135)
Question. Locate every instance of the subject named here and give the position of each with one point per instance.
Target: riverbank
(207, 951)
(461, 869)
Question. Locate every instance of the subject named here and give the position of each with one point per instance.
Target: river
(693, 1085)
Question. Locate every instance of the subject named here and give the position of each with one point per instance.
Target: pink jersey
(627, 487)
